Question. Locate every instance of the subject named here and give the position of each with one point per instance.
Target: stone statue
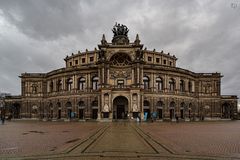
(101, 55)
(120, 30)
(139, 55)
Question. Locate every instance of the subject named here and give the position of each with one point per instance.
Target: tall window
(69, 84)
(159, 84)
(95, 83)
(190, 86)
(182, 87)
(59, 85)
(81, 83)
(146, 82)
(51, 86)
(171, 84)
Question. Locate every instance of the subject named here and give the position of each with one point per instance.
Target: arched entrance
(120, 107)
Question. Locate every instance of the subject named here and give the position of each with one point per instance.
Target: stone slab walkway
(127, 140)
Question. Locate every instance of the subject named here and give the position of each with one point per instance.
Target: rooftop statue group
(120, 30)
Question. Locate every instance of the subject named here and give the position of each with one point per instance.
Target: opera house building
(122, 79)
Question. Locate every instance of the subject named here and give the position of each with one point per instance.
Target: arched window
(146, 82)
(94, 103)
(146, 103)
(120, 59)
(95, 83)
(69, 84)
(81, 83)
(171, 84)
(159, 104)
(159, 84)
(81, 104)
(182, 86)
(182, 108)
(59, 85)
(190, 86)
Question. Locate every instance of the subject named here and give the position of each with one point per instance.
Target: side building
(121, 80)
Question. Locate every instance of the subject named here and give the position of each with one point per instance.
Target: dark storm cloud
(35, 35)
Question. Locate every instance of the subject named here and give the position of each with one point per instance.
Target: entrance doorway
(120, 112)
(171, 113)
(59, 114)
(81, 113)
(182, 113)
(120, 107)
(94, 113)
(160, 115)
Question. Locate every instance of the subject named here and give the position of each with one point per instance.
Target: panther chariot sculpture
(120, 34)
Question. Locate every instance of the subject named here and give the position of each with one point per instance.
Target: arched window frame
(69, 84)
(171, 84)
(146, 82)
(81, 104)
(81, 83)
(159, 83)
(95, 80)
(182, 86)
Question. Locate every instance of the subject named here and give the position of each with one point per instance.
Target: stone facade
(122, 80)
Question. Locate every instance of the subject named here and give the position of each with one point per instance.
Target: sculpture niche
(120, 34)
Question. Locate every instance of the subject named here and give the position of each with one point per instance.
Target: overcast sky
(36, 35)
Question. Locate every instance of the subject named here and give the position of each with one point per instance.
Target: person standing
(3, 116)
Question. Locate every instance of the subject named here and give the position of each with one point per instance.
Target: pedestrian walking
(177, 118)
(3, 119)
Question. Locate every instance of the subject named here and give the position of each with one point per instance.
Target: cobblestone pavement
(120, 140)
(36, 138)
(198, 138)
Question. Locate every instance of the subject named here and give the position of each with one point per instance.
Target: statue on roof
(120, 30)
(120, 34)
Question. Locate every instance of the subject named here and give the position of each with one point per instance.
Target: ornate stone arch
(120, 59)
